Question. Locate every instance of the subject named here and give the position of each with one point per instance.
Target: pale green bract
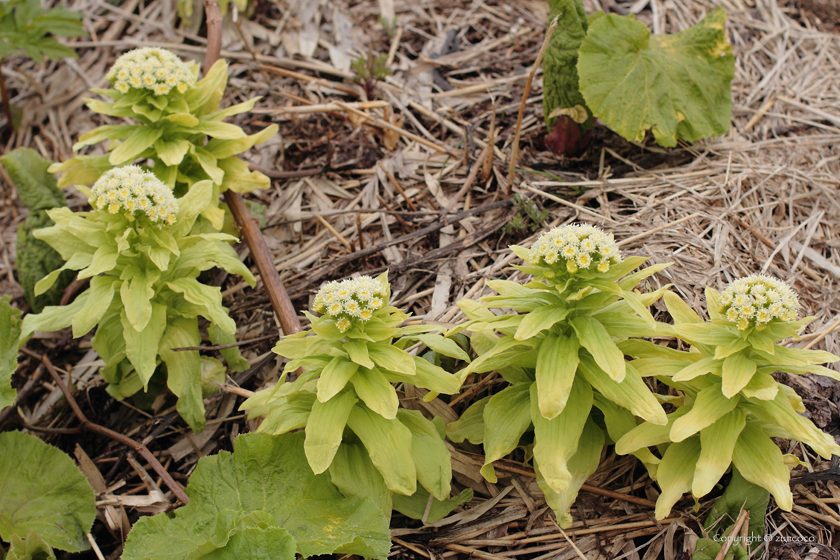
(144, 293)
(562, 354)
(44, 499)
(345, 399)
(677, 85)
(262, 501)
(731, 406)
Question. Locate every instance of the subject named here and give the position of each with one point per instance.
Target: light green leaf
(581, 466)
(717, 442)
(647, 434)
(680, 311)
(141, 347)
(431, 457)
(227, 148)
(709, 405)
(392, 358)
(33, 547)
(52, 318)
(595, 338)
(136, 293)
(239, 177)
(139, 141)
(675, 474)
(190, 206)
(557, 363)
(508, 412)
(737, 372)
(355, 475)
(257, 542)
(388, 443)
(556, 441)
(374, 390)
(101, 293)
(414, 506)
(706, 333)
(358, 352)
(441, 345)
(234, 358)
(267, 478)
(184, 369)
(281, 419)
(221, 130)
(41, 490)
(208, 298)
(172, 151)
(760, 461)
(208, 163)
(677, 85)
(334, 377)
(762, 386)
(540, 319)
(698, 368)
(632, 393)
(324, 429)
(470, 426)
(10, 325)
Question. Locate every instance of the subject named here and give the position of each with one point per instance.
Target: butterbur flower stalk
(143, 263)
(731, 404)
(563, 354)
(350, 356)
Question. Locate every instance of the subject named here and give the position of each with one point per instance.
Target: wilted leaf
(677, 85)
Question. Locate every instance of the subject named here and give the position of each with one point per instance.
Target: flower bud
(131, 190)
(756, 300)
(156, 70)
(351, 300)
(574, 247)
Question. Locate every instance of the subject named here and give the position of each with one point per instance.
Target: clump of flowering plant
(345, 400)
(180, 128)
(730, 404)
(563, 353)
(143, 262)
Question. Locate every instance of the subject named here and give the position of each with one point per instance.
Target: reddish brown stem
(125, 440)
(250, 228)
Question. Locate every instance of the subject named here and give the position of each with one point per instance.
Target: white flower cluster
(157, 70)
(130, 189)
(575, 247)
(354, 298)
(756, 300)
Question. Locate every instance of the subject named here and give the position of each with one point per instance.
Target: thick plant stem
(7, 105)
(250, 229)
(265, 264)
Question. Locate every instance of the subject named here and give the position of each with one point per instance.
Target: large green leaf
(560, 74)
(42, 490)
(557, 363)
(677, 85)
(184, 369)
(266, 483)
(389, 444)
(141, 347)
(675, 474)
(506, 417)
(428, 449)
(9, 342)
(36, 187)
(325, 428)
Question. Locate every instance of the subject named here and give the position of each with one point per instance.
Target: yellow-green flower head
(575, 247)
(354, 299)
(156, 70)
(756, 300)
(130, 190)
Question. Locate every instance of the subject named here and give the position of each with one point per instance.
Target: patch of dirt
(822, 14)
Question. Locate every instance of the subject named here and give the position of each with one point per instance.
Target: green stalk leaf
(334, 377)
(675, 474)
(595, 338)
(708, 407)
(374, 390)
(557, 363)
(509, 413)
(388, 443)
(760, 461)
(717, 443)
(324, 429)
(737, 372)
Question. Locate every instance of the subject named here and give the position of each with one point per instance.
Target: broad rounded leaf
(41, 490)
(265, 484)
(678, 85)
